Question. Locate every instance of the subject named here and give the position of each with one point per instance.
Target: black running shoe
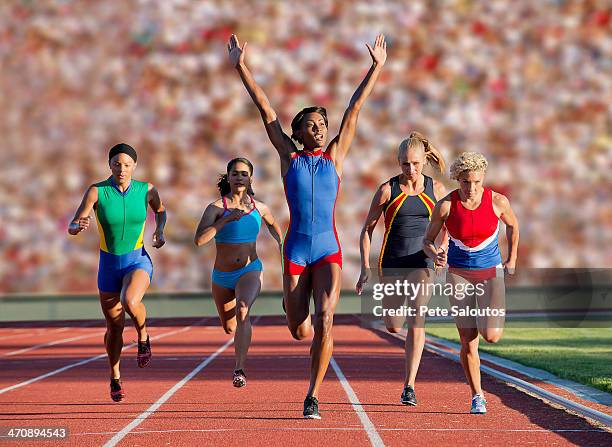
(311, 408)
(408, 396)
(116, 391)
(239, 379)
(144, 353)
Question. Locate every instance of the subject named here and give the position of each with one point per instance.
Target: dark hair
(223, 183)
(296, 124)
(122, 148)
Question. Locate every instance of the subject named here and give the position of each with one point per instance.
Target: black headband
(122, 148)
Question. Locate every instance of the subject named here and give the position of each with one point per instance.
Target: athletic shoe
(311, 408)
(116, 391)
(408, 396)
(239, 379)
(478, 404)
(144, 353)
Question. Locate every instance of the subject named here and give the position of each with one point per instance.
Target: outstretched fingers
(233, 43)
(379, 51)
(236, 53)
(379, 44)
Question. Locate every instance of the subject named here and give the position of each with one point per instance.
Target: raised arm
(507, 216)
(377, 207)
(339, 146)
(159, 209)
(279, 139)
(438, 217)
(271, 223)
(82, 218)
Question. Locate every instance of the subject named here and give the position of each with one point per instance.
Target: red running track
(207, 410)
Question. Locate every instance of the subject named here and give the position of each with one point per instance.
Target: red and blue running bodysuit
(311, 187)
(473, 250)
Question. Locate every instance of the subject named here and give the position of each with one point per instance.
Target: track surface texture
(56, 375)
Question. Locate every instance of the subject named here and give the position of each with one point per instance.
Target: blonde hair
(468, 161)
(417, 141)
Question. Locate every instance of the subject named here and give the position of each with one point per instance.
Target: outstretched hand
(236, 53)
(379, 52)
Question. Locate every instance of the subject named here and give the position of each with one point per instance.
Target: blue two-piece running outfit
(241, 231)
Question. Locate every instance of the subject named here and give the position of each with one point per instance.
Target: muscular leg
(226, 307)
(326, 283)
(470, 360)
(135, 284)
(415, 335)
(296, 296)
(393, 323)
(115, 322)
(468, 333)
(494, 297)
(247, 289)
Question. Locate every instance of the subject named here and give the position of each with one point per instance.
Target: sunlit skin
(313, 132)
(122, 168)
(324, 283)
(234, 306)
(239, 179)
(470, 192)
(411, 163)
(470, 186)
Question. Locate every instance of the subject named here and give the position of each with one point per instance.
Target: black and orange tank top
(406, 219)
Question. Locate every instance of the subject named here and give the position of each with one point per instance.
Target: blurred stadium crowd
(527, 83)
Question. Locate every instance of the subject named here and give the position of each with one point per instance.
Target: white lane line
(520, 384)
(51, 343)
(375, 438)
(583, 391)
(8, 337)
(530, 387)
(33, 331)
(89, 360)
(30, 332)
(153, 408)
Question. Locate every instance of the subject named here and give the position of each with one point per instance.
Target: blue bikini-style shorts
(230, 279)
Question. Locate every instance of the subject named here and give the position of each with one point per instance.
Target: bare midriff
(232, 257)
